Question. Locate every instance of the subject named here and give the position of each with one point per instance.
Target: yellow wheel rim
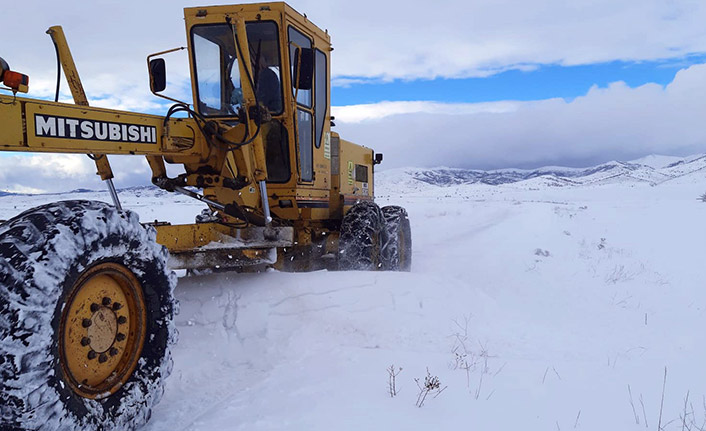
(102, 330)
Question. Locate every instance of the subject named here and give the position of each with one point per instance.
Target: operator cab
(219, 86)
(288, 70)
(282, 87)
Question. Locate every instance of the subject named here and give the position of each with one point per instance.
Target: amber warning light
(13, 80)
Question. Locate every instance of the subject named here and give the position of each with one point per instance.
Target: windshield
(218, 81)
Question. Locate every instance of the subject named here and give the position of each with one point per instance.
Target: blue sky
(544, 82)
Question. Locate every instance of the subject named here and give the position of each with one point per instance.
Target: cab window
(218, 80)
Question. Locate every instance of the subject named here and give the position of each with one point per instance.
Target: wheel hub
(102, 330)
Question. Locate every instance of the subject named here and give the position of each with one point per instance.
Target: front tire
(361, 238)
(397, 249)
(86, 308)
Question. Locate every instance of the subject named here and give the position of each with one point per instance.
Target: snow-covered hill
(651, 169)
(555, 302)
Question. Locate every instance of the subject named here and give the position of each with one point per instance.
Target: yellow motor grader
(86, 290)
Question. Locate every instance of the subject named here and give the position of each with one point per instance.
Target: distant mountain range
(651, 169)
(136, 190)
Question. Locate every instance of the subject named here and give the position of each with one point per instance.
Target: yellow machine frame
(232, 180)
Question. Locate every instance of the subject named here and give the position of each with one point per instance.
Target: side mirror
(378, 159)
(304, 61)
(158, 75)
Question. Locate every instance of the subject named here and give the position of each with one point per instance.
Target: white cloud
(461, 38)
(374, 40)
(378, 111)
(43, 173)
(344, 82)
(109, 42)
(617, 122)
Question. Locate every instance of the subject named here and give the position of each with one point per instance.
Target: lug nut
(113, 351)
(120, 336)
(95, 307)
(122, 320)
(86, 323)
(85, 341)
(117, 306)
(106, 301)
(102, 358)
(92, 355)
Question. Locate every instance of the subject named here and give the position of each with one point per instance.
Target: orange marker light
(16, 81)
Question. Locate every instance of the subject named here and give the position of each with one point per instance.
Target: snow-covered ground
(540, 305)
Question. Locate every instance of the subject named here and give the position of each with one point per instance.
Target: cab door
(303, 116)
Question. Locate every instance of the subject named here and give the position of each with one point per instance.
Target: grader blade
(214, 245)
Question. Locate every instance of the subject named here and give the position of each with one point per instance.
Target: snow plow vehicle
(86, 290)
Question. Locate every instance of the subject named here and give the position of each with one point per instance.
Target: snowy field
(538, 305)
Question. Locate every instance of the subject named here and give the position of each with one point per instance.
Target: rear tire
(360, 242)
(397, 249)
(58, 264)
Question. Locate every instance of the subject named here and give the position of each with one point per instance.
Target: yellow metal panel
(188, 236)
(32, 125)
(72, 129)
(350, 156)
(11, 123)
(178, 238)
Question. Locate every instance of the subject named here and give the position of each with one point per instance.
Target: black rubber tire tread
(397, 247)
(361, 238)
(42, 253)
